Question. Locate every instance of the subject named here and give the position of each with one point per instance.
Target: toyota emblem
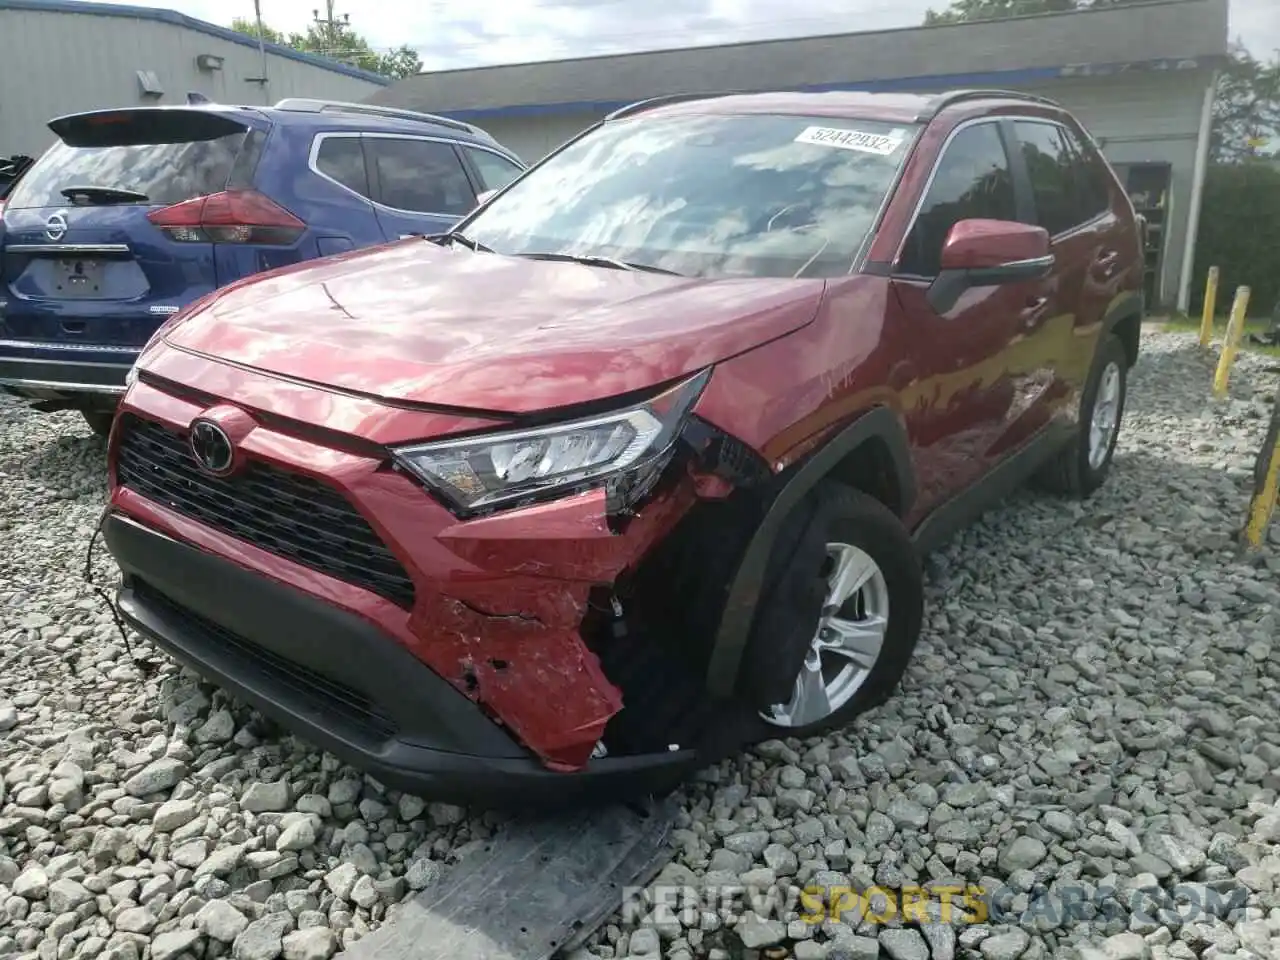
(212, 448)
(55, 227)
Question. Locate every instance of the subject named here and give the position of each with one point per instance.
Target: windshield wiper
(105, 194)
(593, 261)
(443, 238)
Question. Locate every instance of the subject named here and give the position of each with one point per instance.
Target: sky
(461, 33)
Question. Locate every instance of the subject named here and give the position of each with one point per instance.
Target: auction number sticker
(880, 144)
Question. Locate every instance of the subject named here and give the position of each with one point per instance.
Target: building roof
(189, 23)
(1163, 34)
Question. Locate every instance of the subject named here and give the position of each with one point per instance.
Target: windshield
(737, 196)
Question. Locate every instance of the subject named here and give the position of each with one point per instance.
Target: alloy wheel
(846, 644)
(1106, 415)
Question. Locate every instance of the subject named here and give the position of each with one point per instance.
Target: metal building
(65, 56)
(1139, 76)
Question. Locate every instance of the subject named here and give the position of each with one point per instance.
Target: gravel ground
(1093, 708)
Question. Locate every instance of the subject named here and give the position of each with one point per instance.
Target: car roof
(888, 107)
(326, 116)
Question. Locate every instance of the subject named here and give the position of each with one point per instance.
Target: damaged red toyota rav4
(635, 465)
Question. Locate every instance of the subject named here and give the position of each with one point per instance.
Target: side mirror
(985, 253)
(483, 197)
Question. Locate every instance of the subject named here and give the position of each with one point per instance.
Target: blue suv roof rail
(307, 105)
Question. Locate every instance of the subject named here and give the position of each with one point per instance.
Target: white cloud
(454, 33)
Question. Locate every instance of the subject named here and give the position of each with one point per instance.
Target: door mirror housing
(986, 253)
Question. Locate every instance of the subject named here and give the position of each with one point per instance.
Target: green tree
(961, 10)
(1246, 109)
(338, 41)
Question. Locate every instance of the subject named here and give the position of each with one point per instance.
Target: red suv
(636, 464)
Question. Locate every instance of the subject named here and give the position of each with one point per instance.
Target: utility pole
(330, 31)
(262, 48)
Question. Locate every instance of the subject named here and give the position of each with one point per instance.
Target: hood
(415, 322)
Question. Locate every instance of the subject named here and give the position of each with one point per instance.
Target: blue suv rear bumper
(53, 371)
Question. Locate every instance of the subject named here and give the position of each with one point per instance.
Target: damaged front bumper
(482, 671)
(336, 680)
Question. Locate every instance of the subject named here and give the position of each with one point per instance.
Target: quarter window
(972, 180)
(495, 171)
(421, 176)
(342, 159)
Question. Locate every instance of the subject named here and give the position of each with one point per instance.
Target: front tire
(99, 421)
(1082, 466)
(839, 617)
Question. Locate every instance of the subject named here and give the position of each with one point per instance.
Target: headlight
(131, 377)
(501, 469)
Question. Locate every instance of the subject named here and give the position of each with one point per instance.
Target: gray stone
(262, 797)
(314, 943)
(221, 921)
(156, 777)
(262, 939)
(905, 944)
(169, 946)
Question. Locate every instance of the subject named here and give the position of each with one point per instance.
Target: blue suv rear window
(167, 163)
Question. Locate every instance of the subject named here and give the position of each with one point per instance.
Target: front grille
(282, 512)
(337, 700)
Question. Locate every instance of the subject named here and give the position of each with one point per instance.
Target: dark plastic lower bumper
(335, 679)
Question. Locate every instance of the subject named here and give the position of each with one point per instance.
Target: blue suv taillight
(232, 216)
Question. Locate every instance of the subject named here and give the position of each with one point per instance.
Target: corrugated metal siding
(54, 63)
(1146, 31)
(532, 138)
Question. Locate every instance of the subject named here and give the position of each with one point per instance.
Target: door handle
(1034, 310)
(1107, 260)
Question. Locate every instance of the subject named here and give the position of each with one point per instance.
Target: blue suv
(137, 212)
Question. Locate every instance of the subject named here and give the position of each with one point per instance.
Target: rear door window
(495, 171)
(1089, 175)
(420, 176)
(342, 159)
(1060, 184)
(972, 181)
(166, 160)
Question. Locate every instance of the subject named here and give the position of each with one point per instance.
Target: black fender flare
(1129, 305)
(743, 593)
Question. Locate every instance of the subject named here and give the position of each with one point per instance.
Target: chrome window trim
(318, 141)
(933, 174)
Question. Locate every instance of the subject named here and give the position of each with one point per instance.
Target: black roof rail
(641, 105)
(951, 97)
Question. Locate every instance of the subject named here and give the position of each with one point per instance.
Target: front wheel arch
(880, 426)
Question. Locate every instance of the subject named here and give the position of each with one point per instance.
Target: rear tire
(1081, 467)
(99, 421)
(807, 630)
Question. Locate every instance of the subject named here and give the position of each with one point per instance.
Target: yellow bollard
(1266, 483)
(1231, 345)
(1210, 302)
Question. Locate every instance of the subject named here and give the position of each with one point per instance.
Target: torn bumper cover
(338, 681)
(446, 658)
